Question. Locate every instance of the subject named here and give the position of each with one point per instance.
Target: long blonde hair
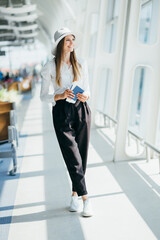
(58, 60)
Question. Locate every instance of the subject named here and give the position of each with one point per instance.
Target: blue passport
(76, 90)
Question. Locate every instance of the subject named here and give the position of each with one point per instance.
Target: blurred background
(120, 39)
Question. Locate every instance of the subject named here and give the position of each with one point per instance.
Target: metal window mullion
(112, 21)
(111, 38)
(146, 2)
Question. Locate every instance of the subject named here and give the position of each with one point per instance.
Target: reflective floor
(34, 204)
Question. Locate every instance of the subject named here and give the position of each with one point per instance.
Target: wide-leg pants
(72, 126)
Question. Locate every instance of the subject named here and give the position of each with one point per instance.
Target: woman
(71, 120)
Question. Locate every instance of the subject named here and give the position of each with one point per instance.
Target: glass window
(93, 34)
(139, 101)
(80, 5)
(83, 4)
(110, 38)
(148, 21)
(111, 26)
(104, 91)
(158, 131)
(90, 75)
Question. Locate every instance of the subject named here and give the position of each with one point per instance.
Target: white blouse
(48, 74)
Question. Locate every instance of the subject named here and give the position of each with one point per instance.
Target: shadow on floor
(139, 193)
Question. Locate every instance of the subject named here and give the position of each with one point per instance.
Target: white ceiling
(53, 14)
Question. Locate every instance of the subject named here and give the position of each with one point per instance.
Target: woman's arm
(46, 81)
(67, 94)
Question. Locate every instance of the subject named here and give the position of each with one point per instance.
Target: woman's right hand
(68, 94)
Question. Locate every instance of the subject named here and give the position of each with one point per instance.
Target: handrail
(134, 134)
(106, 115)
(152, 147)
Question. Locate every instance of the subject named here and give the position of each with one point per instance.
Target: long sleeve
(86, 80)
(46, 81)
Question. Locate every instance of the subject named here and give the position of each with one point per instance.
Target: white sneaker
(74, 205)
(87, 209)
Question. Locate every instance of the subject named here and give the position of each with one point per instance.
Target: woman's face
(69, 43)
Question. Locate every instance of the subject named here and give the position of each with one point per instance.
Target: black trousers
(72, 126)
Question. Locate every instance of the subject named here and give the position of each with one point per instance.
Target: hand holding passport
(76, 89)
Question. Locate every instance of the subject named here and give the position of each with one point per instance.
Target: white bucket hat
(60, 34)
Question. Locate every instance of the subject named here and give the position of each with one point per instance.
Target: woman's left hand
(82, 97)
